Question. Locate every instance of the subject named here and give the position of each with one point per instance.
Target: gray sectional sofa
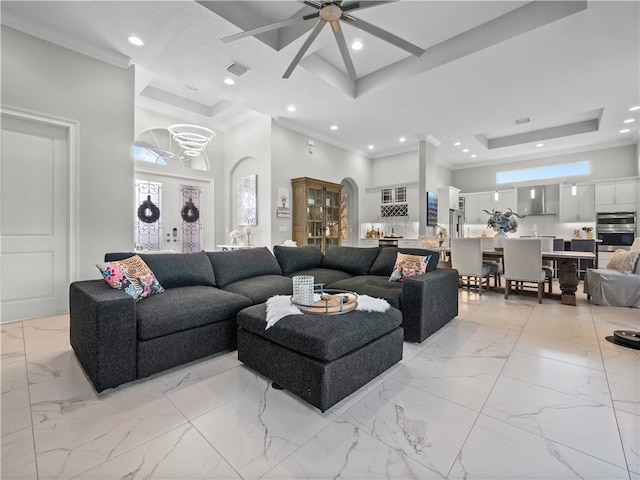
(118, 340)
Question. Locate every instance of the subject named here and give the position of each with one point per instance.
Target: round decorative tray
(332, 302)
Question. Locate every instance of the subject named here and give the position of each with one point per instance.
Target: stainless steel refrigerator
(456, 223)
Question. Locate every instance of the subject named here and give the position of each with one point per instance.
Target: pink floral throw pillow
(132, 275)
(408, 266)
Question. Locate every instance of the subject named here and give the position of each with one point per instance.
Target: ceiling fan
(333, 12)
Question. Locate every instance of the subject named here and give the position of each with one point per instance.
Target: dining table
(567, 262)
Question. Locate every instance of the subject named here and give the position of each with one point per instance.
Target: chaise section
(428, 303)
(374, 286)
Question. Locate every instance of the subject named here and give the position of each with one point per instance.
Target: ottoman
(320, 358)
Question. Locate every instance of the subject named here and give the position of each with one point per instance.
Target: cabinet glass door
(315, 216)
(332, 229)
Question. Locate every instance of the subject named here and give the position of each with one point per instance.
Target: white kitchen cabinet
(408, 243)
(579, 207)
(475, 205)
(506, 200)
(616, 196)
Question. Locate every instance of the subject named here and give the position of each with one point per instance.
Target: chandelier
(193, 139)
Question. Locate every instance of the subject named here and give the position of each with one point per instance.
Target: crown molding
(103, 54)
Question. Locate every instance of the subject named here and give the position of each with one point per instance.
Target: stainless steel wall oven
(615, 230)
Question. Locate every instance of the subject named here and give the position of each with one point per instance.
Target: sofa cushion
(260, 289)
(183, 308)
(131, 275)
(324, 337)
(294, 259)
(181, 269)
(372, 285)
(175, 269)
(324, 275)
(235, 265)
(353, 260)
(386, 259)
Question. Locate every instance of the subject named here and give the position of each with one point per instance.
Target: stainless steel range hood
(539, 200)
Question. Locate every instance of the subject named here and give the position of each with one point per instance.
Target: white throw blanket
(280, 306)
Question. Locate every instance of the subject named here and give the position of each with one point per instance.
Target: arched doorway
(349, 212)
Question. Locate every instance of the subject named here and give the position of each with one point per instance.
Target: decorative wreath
(148, 212)
(190, 212)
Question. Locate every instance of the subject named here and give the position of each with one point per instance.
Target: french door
(173, 213)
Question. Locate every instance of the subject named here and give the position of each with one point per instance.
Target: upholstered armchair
(618, 285)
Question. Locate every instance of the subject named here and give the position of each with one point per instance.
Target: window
(157, 146)
(541, 173)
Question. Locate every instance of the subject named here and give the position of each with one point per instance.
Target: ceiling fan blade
(267, 28)
(312, 36)
(384, 35)
(344, 50)
(364, 4)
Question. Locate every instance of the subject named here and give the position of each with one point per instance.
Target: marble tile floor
(508, 390)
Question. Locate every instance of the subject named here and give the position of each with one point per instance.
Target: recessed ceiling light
(629, 120)
(474, 155)
(626, 130)
(135, 41)
(357, 45)
(291, 108)
(334, 127)
(457, 144)
(403, 139)
(370, 147)
(633, 109)
(229, 81)
(465, 150)
(540, 145)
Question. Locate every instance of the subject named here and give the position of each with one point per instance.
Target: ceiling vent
(236, 69)
(521, 121)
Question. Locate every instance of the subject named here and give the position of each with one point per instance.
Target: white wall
(607, 163)
(291, 159)
(246, 151)
(403, 168)
(42, 78)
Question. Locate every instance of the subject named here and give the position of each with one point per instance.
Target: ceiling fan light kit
(333, 13)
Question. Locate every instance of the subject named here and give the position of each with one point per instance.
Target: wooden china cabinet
(316, 212)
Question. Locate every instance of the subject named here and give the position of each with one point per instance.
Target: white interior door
(34, 260)
(173, 213)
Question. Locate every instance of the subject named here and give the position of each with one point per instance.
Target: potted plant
(502, 223)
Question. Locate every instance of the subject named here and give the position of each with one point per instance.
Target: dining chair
(466, 257)
(494, 265)
(547, 265)
(523, 263)
(584, 245)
